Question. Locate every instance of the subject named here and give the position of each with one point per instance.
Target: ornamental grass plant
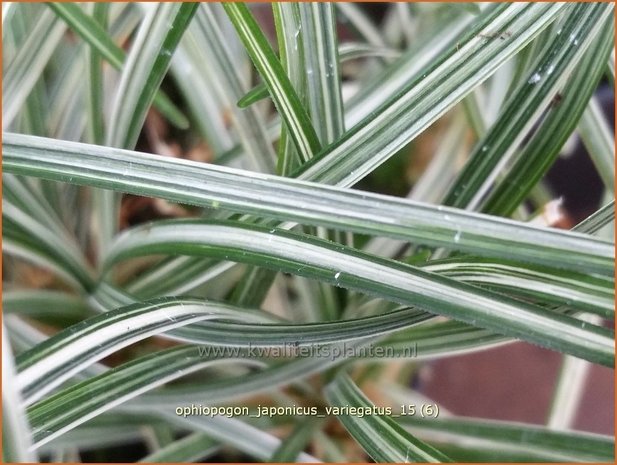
(238, 232)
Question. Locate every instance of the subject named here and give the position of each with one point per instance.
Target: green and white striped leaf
(269, 67)
(596, 221)
(27, 238)
(192, 448)
(583, 292)
(428, 96)
(318, 259)
(145, 68)
(41, 303)
(599, 139)
(217, 63)
(80, 402)
(289, 36)
(93, 385)
(21, 75)
(107, 430)
(271, 376)
(544, 146)
(323, 76)
(307, 203)
(526, 104)
(94, 83)
(91, 31)
(541, 441)
(294, 444)
(379, 436)
(67, 353)
(240, 435)
(16, 436)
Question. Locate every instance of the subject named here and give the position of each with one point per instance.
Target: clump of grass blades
(290, 145)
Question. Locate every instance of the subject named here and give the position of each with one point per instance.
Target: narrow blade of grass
(94, 83)
(40, 303)
(22, 74)
(526, 104)
(285, 98)
(145, 68)
(78, 403)
(323, 76)
(16, 436)
(548, 286)
(291, 52)
(29, 233)
(597, 220)
(553, 445)
(294, 444)
(238, 434)
(544, 146)
(379, 436)
(599, 140)
(89, 29)
(228, 82)
(192, 448)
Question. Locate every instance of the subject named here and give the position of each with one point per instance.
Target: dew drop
(535, 78)
(336, 276)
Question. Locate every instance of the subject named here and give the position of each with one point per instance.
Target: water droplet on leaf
(535, 78)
